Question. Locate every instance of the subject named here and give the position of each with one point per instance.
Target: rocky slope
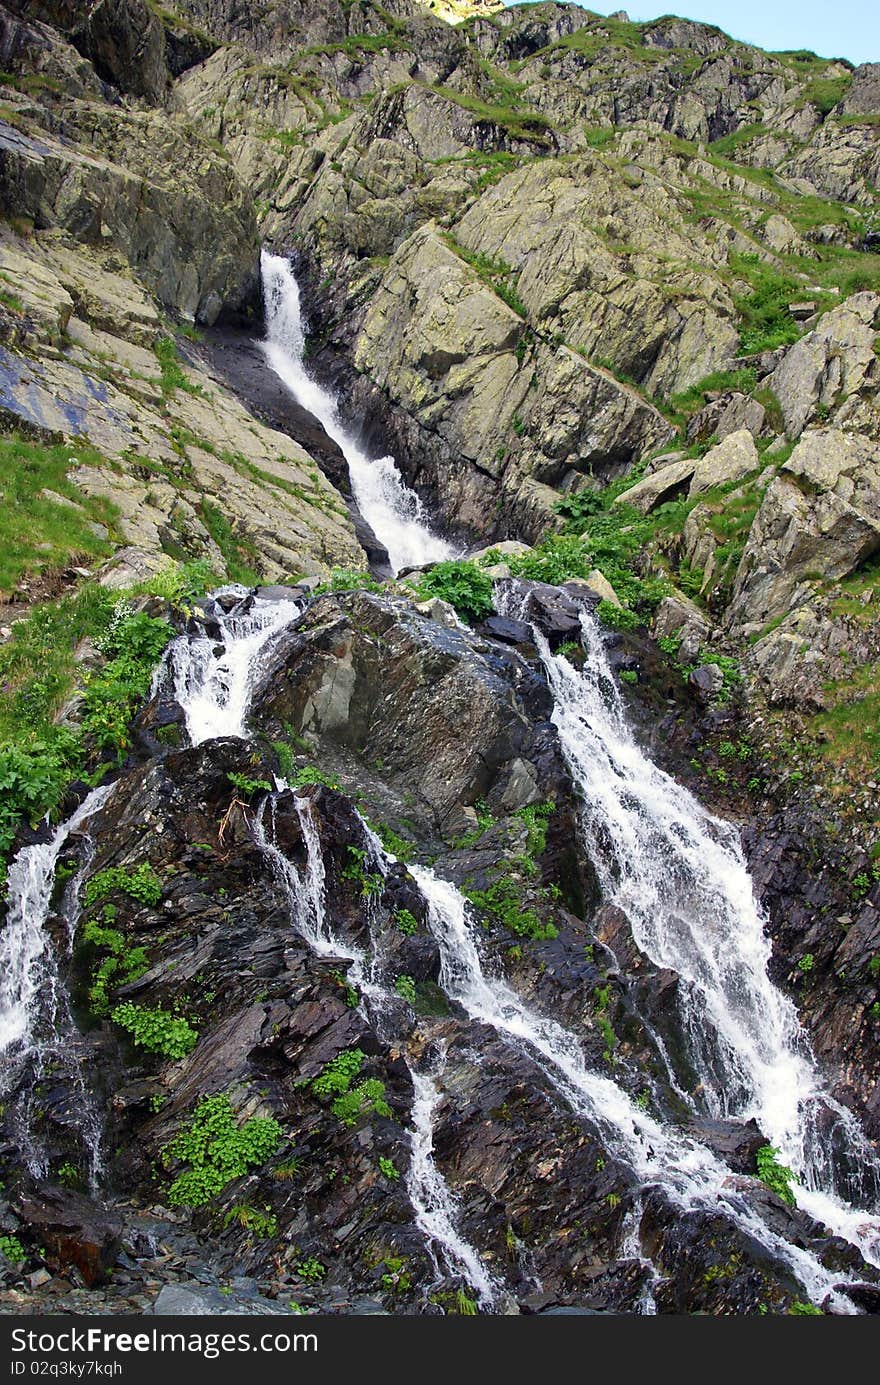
(547, 257)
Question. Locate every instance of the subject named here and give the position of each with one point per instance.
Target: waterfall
(689, 1174)
(35, 1023)
(679, 875)
(212, 679)
(436, 1212)
(393, 511)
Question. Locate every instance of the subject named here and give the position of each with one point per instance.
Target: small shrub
(121, 962)
(248, 787)
(348, 1102)
(467, 589)
(807, 962)
(311, 774)
(406, 988)
(501, 901)
(618, 617)
(407, 922)
(388, 1168)
(12, 1248)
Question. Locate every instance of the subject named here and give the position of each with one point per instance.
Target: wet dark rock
(867, 1296)
(75, 1231)
(555, 612)
(707, 680)
(279, 593)
(736, 1142)
(506, 630)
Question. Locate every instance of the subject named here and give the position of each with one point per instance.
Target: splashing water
(679, 875)
(35, 1022)
(213, 679)
(393, 511)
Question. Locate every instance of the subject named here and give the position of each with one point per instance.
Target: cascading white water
(393, 511)
(689, 1173)
(434, 1206)
(213, 679)
(34, 1018)
(680, 877)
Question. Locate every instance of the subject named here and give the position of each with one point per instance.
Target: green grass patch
(238, 549)
(499, 276)
(518, 122)
(729, 144)
(42, 533)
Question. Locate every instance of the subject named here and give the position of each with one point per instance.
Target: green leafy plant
(141, 884)
(69, 1176)
(349, 1102)
(464, 585)
(12, 1248)
(502, 902)
(158, 1031)
(406, 987)
(406, 921)
(311, 1270)
(776, 1176)
(388, 1168)
(311, 774)
(218, 1150)
(805, 1310)
(121, 961)
(618, 617)
(807, 962)
(246, 786)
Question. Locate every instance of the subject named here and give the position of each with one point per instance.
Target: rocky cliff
(610, 294)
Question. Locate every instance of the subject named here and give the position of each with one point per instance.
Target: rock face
(830, 365)
(821, 515)
(77, 1234)
(462, 368)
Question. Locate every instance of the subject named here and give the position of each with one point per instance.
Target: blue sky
(842, 29)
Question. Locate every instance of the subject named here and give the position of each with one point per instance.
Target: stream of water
(394, 511)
